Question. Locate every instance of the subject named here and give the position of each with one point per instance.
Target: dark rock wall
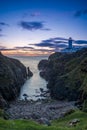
(66, 75)
(12, 76)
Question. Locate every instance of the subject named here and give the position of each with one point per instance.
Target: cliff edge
(12, 76)
(66, 75)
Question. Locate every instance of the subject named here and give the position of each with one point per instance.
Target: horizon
(31, 28)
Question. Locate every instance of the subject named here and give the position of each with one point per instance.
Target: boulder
(25, 96)
(29, 73)
(74, 122)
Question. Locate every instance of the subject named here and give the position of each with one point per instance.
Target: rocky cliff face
(43, 66)
(66, 75)
(12, 77)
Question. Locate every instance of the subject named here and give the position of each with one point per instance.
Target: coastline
(35, 110)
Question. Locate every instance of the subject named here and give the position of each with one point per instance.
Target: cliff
(66, 75)
(12, 77)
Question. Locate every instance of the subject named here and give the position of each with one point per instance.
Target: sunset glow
(26, 24)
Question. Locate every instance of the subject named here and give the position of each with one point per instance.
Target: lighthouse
(70, 43)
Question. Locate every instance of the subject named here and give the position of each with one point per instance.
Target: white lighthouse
(70, 43)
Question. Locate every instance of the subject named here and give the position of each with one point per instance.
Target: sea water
(32, 85)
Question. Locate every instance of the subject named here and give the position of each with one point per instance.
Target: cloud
(1, 32)
(53, 42)
(59, 38)
(24, 47)
(34, 25)
(60, 45)
(85, 11)
(46, 29)
(81, 42)
(80, 13)
(6, 49)
(48, 40)
(42, 50)
(59, 42)
(1, 35)
(35, 14)
(3, 24)
(2, 47)
(43, 44)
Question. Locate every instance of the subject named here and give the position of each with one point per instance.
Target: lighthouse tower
(70, 43)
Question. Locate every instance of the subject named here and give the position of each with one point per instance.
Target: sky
(31, 27)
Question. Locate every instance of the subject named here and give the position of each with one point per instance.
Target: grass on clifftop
(60, 124)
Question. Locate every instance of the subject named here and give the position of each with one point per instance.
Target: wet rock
(42, 90)
(25, 96)
(29, 73)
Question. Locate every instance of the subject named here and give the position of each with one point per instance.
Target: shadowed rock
(29, 73)
(66, 75)
(25, 96)
(12, 76)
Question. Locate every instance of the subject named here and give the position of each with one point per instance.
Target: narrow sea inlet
(32, 85)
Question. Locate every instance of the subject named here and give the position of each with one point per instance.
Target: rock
(25, 96)
(29, 73)
(68, 112)
(3, 103)
(12, 76)
(42, 90)
(66, 74)
(37, 110)
(79, 104)
(44, 121)
(35, 116)
(43, 67)
(43, 64)
(74, 122)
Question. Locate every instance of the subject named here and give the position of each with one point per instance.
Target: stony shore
(36, 110)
